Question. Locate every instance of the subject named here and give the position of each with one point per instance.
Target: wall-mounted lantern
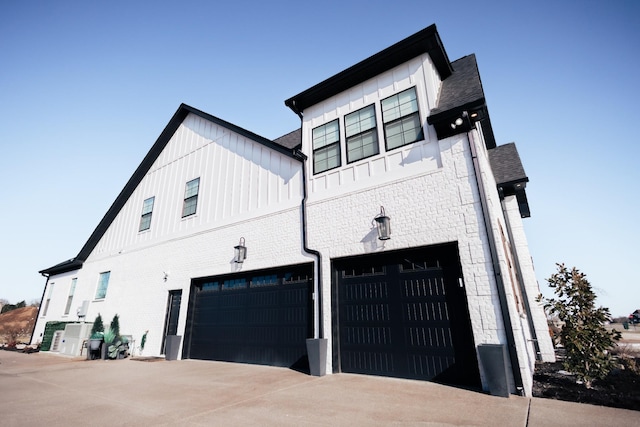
(240, 251)
(384, 225)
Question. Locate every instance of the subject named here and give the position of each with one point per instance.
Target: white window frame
(72, 290)
(103, 285)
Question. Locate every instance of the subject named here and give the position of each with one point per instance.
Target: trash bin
(317, 352)
(171, 346)
(493, 361)
(625, 325)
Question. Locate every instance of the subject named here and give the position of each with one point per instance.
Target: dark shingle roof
(462, 88)
(291, 140)
(506, 165)
(462, 92)
(509, 175)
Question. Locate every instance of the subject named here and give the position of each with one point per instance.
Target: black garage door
(404, 314)
(262, 317)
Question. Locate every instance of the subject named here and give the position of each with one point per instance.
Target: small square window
(191, 197)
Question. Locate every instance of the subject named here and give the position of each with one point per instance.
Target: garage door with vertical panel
(261, 317)
(404, 314)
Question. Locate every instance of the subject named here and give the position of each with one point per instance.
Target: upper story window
(103, 284)
(48, 301)
(326, 147)
(361, 133)
(72, 290)
(147, 210)
(401, 119)
(191, 197)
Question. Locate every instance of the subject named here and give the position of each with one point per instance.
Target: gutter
(319, 331)
(40, 307)
(504, 308)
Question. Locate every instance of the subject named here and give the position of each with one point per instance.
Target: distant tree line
(6, 307)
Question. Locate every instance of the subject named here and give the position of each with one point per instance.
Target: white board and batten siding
(399, 163)
(240, 179)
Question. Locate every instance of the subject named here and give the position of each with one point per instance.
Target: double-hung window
(401, 119)
(191, 197)
(103, 284)
(72, 290)
(48, 301)
(326, 147)
(361, 133)
(147, 210)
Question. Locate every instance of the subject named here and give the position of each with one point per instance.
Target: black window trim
(193, 197)
(338, 143)
(375, 131)
(384, 125)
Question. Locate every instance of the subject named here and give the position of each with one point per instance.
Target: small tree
(115, 325)
(98, 327)
(586, 340)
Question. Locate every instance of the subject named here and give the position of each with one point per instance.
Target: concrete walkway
(50, 390)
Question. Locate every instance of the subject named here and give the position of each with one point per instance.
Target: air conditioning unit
(82, 310)
(75, 334)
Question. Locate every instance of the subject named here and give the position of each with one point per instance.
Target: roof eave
(425, 41)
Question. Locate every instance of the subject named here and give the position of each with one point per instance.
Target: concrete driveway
(47, 389)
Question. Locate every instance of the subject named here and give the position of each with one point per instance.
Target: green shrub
(587, 342)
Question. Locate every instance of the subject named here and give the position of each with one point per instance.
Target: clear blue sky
(87, 87)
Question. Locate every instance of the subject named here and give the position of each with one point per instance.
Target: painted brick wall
(137, 289)
(436, 207)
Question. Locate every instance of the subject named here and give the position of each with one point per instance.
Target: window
(401, 119)
(103, 284)
(72, 290)
(362, 136)
(326, 147)
(147, 210)
(46, 304)
(191, 197)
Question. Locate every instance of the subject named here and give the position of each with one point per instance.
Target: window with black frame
(191, 197)
(401, 119)
(326, 147)
(361, 133)
(147, 210)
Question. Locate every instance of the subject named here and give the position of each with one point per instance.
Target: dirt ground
(620, 389)
(21, 321)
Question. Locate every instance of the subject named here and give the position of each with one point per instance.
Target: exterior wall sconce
(240, 251)
(460, 120)
(384, 225)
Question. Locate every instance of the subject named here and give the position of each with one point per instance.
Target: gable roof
(509, 175)
(141, 171)
(424, 41)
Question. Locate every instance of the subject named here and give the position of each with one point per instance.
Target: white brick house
(406, 133)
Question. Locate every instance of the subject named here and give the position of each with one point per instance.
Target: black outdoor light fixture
(240, 251)
(384, 225)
